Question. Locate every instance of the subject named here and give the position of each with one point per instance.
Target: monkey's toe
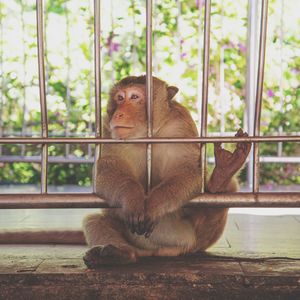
(108, 255)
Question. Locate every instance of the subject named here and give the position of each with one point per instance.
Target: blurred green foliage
(177, 36)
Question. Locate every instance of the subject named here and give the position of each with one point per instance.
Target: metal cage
(253, 199)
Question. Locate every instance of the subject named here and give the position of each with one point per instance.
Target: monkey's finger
(136, 223)
(150, 228)
(147, 235)
(128, 222)
(147, 224)
(142, 226)
(149, 232)
(247, 145)
(131, 224)
(217, 147)
(239, 132)
(139, 226)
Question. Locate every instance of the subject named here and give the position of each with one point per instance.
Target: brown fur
(156, 224)
(153, 224)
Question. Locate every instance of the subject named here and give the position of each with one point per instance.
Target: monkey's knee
(93, 228)
(233, 186)
(209, 224)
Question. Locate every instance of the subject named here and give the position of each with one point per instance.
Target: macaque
(155, 223)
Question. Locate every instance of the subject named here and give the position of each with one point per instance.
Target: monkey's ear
(172, 91)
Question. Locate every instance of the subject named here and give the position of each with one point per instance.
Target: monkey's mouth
(122, 132)
(121, 127)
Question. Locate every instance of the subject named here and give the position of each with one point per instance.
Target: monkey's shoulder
(180, 122)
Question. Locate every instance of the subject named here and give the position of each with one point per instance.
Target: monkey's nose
(119, 115)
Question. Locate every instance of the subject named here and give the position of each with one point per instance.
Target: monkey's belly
(172, 231)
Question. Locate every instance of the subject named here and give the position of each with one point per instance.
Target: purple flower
(242, 47)
(229, 45)
(200, 3)
(295, 70)
(112, 46)
(270, 93)
(183, 55)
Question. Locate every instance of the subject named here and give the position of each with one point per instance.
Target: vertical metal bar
(42, 89)
(149, 87)
(222, 76)
(252, 48)
(281, 38)
(97, 53)
(2, 76)
(259, 90)
(24, 94)
(91, 85)
(205, 85)
(67, 82)
(199, 66)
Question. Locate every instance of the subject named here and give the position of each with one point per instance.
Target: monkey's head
(127, 108)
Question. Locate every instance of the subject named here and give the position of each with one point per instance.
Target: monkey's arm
(116, 184)
(172, 193)
(227, 165)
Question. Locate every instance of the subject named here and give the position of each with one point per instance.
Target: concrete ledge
(57, 272)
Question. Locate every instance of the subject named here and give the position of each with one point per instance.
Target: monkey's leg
(104, 234)
(172, 236)
(209, 224)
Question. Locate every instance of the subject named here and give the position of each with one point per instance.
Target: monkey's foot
(108, 255)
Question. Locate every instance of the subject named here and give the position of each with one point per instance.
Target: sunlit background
(177, 57)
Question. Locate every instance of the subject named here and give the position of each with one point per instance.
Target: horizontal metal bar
(85, 200)
(51, 159)
(82, 160)
(8, 134)
(258, 139)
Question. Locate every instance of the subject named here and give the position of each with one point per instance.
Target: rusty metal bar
(2, 77)
(82, 160)
(98, 107)
(252, 52)
(84, 200)
(205, 86)
(259, 90)
(149, 89)
(156, 140)
(42, 89)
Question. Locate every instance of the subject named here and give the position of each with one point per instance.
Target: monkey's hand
(133, 211)
(227, 163)
(152, 213)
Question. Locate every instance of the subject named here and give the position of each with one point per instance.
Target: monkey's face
(129, 119)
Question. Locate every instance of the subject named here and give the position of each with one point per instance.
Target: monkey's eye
(120, 98)
(134, 96)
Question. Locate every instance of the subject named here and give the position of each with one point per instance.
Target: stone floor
(258, 257)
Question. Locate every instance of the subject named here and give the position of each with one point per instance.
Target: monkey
(155, 223)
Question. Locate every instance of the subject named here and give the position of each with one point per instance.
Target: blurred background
(177, 58)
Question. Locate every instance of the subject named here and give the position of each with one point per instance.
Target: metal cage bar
(80, 200)
(252, 51)
(153, 140)
(259, 90)
(205, 86)
(42, 90)
(98, 106)
(91, 200)
(149, 89)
